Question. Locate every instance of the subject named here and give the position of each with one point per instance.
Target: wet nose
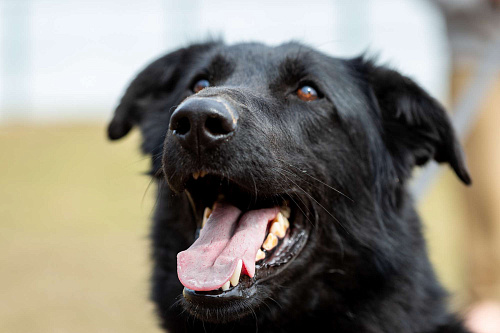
(202, 123)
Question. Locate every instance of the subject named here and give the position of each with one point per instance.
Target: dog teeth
(277, 229)
(199, 174)
(285, 210)
(236, 275)
(206, 215)
(279, 225)
(270, 242)
(283, 219)
(260, 255)
(235, 278)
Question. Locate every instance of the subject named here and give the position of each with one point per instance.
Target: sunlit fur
(345, 160)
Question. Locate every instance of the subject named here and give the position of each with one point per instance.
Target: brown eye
(307, 93)
(200, 84)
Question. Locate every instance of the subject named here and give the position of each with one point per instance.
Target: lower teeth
(278, 229)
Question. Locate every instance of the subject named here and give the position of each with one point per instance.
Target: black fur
(344, 159)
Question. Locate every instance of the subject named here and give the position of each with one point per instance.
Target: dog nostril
(182, 126)
(201, 123)
(217, 125)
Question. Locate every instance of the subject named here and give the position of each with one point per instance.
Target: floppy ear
(415, 126)
(160, 76)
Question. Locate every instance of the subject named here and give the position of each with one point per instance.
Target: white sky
(73, 59)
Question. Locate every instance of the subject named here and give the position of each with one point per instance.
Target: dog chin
(221, 308)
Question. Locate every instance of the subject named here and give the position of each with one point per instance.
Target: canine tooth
(203, 173)
(285, 210)
(270, 242)
(278, 229)
(206, 215)
(236, 275)
(196, 175)
(260, 255)
(283, 220)
(225, 286)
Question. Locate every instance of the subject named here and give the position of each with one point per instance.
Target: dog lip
(234, 300)
(218, 297)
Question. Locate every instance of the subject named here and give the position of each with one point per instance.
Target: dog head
(296, 161)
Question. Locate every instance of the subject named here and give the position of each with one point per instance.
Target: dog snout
(203, 122)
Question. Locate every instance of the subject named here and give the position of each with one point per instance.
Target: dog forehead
(250, 61)
(251, 54)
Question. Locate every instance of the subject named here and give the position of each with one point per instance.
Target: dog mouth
(243, 239)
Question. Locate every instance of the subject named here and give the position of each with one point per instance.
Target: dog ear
(161, 75)
(415, 126)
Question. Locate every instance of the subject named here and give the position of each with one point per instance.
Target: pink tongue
(211, 260)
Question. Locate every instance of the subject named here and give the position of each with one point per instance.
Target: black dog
(304, 160)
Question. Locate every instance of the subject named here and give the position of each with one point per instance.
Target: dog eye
(200, 84)
(307, 93)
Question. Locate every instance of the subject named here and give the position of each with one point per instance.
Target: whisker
(310, 196)
(255, 187)
(203, 324)
(303, 213)
(295, 202)
(326, 210)
(275, 301)
(177, 301)
(255, 316)
(304, 172)
(267, 305)
(151, 181)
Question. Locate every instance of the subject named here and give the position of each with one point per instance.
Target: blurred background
(75, 208)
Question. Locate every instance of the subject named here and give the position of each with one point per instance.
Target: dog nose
(203, 122)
